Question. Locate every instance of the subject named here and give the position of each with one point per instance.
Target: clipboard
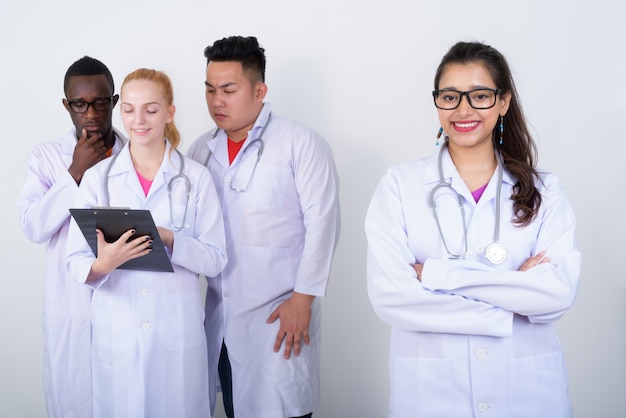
(113, 222)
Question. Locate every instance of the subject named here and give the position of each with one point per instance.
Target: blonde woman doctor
(472, 258)
(149, 346)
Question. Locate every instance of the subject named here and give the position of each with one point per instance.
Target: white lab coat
(48, 192)
(149, 346)
(281, 236)
(471, 337)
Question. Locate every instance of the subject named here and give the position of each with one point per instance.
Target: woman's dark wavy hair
(518, 149)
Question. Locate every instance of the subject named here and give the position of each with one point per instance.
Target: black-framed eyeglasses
(100, 104)
(450, 99)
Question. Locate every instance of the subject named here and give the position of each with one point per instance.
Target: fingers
(112, 255)
(273, 317)
(294, 315)
(535, 260)
(279, 340)
(100, 237)
(139, 246)
(125, 248)
(89, 150)
(126, 235)
(86, 137)
(83, 136)
(544, 260)
(93, 141)
(297, 344)
(291, 343)
(418, 270)
(167, 236)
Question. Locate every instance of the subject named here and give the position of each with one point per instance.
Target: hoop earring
(501, 128)
(439, 136)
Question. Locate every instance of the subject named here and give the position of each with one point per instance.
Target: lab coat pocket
(268, 187)
(538, 387)
(421, 387)
(267, 272)
(181, 320)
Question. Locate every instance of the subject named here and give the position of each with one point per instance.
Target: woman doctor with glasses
(472, 257)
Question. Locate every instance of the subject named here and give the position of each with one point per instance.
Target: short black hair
(245, 50)
(88, 66)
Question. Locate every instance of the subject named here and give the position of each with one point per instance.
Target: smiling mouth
(465, 125)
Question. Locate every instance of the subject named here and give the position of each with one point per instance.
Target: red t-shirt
(234, 148)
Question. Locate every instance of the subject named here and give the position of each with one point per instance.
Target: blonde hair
(160, 78)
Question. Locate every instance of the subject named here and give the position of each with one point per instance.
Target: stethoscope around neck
(178, 177)
(495, 252)
(258, 143)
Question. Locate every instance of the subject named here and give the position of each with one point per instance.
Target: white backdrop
(359, 72)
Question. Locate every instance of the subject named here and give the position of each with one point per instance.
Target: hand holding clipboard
(114, 223)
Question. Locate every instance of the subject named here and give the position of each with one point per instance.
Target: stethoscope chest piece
(495, 253)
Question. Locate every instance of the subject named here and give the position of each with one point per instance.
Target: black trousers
(226, 380)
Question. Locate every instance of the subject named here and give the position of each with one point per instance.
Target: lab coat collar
(124, 162)
(170, 166)
(452, 176)
(171, 161)
(218, 146)
(120, 141)
(431, 173)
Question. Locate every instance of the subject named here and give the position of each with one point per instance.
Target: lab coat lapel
(69, 143)
(170, 167)
(123, 166)
(450, 174)
(219, 149)
(256, 132)
(448, 214)
(492, 188)
(219, 145)
(120, 141)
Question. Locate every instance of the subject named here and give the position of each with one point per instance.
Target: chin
(470, 141)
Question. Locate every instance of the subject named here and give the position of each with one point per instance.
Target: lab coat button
(481, 353)
(226, 295)
(147, 326)
(479, 248)
(145, 292)
(226, 179)
(482, 407)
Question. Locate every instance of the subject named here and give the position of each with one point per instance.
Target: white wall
(360, 72)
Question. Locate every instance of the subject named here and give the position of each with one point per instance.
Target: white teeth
(466, 125)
